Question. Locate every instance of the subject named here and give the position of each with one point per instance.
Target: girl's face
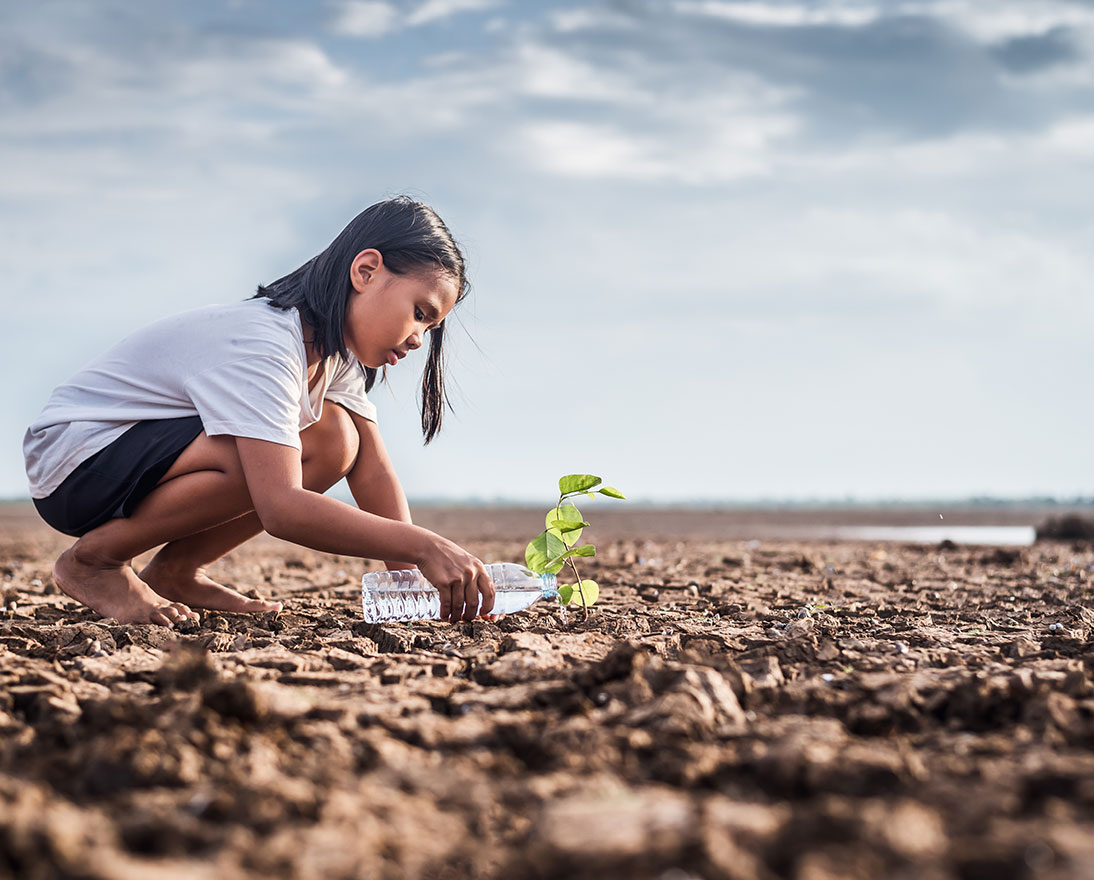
(388, 315)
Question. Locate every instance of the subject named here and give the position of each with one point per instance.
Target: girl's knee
(333, 442)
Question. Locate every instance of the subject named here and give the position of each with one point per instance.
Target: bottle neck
(549, 584)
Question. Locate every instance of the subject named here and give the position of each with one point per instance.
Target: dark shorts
(116, 479)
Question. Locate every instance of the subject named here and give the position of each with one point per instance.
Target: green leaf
(612, 492)
(590, 590)
(541, 552)
(558, 518)
(577, 483)
(565, 593)
(583, 550)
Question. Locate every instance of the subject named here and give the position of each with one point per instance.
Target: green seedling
(557, 545)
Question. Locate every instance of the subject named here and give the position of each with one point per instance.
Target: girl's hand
(460, 578)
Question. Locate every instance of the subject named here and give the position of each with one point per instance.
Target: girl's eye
(419, 315)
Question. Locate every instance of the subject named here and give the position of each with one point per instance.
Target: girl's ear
(363, 267)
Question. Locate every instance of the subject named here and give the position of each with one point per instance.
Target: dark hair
(411, 238)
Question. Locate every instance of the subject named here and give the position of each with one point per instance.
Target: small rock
(698, 701)
(618, 829)
(801, 628)
(1022, 647)
(764, 673)
(236, 699)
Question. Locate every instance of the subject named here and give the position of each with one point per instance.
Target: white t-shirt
(241, 367)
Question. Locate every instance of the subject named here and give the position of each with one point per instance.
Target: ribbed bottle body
(407, 595)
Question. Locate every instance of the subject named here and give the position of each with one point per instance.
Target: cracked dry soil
(730, 710)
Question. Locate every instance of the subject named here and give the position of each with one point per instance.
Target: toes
(160, 616)
(184, 611)
(169, 615)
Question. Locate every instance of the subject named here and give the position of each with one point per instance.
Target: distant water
(1017, 536)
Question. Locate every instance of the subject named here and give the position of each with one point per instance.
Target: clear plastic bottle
(407, 595)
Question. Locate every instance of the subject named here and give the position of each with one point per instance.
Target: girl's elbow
(274, 526)
(277, 520)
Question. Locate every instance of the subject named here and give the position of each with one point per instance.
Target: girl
(202, 430)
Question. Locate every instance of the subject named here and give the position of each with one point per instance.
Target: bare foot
(114, 590)
(194, 587)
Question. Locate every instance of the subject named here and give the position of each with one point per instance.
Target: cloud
(783, 14)
(1074, 137)
(365, 18)
(592, 151)
(547, 72)
(1030, 53)
(584, 18)
(952, 263)
(988, 21)
(435, 10)
(715, 151)
(993, 21)
(375, 18)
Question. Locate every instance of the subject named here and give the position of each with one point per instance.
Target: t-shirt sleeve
(347, 388)
(256, 396)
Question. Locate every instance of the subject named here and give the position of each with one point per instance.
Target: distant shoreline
(463, 521)
(1039, 504)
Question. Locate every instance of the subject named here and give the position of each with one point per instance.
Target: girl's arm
(373, 481)
(289, 511)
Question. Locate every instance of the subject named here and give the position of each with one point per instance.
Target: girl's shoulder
(256, 311)
(214, 336)
(252, 319)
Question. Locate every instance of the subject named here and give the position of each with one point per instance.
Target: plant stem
(581, 592)
(573, 565)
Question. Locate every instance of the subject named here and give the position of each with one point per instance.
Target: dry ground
(732, 709)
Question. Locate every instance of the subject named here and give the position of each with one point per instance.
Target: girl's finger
(470, 598)
(486, 590)
(446, 602)
(457, 602)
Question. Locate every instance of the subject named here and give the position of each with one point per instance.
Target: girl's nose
(414, 341)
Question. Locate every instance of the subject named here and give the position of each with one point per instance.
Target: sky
(720, 249)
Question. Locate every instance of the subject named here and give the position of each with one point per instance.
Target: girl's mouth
(392, 357)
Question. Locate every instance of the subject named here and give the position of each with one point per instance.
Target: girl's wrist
(420, 545)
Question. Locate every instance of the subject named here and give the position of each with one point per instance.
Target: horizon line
(980, 500)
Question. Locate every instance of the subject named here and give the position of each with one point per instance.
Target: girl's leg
(203, 489)
(178, 571)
